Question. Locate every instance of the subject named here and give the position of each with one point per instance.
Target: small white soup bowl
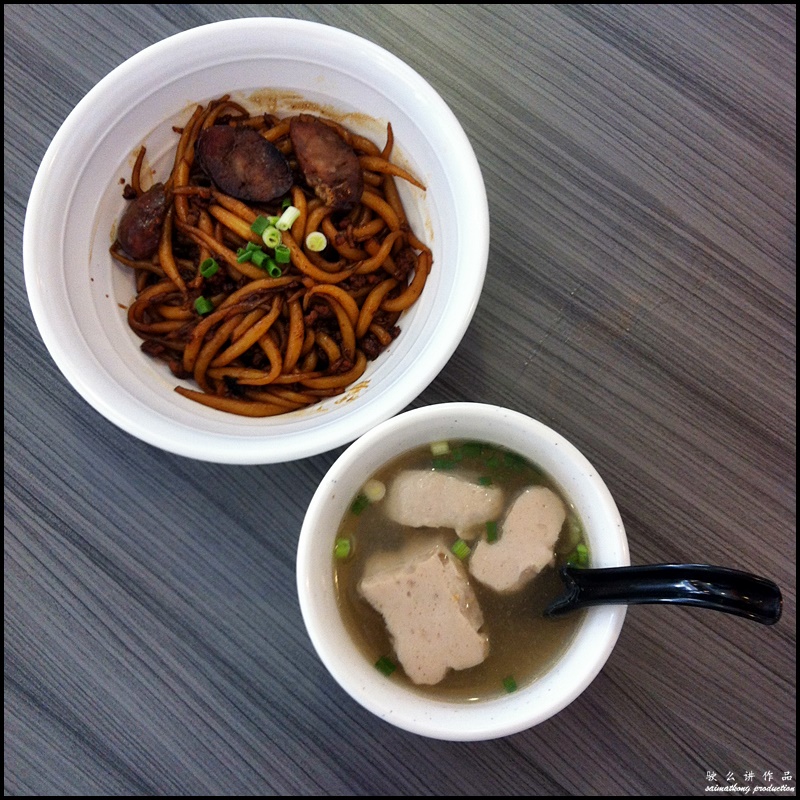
(486, 719)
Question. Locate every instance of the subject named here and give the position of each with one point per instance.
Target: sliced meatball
(243, 164)
(526, 544)
(430, 610)
(140, 225)
(426, 498)
(329, 165)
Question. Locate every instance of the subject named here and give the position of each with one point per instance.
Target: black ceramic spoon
(718, 588)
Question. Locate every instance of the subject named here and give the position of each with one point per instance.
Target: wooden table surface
(640, 299)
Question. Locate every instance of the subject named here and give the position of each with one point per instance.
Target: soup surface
(522, 643)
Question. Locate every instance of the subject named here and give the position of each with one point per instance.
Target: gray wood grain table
(640, 299)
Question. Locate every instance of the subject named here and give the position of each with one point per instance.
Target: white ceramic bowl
(78, 294)
(490, 718)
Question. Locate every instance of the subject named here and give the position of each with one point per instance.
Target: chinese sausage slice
(329, 164)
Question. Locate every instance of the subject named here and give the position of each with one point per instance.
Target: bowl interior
(487, 719)
(79, 296)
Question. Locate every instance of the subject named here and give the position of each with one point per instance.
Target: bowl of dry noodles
(256, 252)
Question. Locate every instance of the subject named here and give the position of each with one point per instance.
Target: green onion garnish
(260, 224)
(485, 480)
(460, 549)
(574, 530)
(288, 218)
(203, 305)
(579, 557)
(209, 267)
(509, 684)
(272, 268)
(283, 255)
(374, 490)
(316, 241)
(443, 462)
(491, 531)
(257, 257)
(359, 504)
(472, 449)
(514, 462)
(271, 236)
(385, 665)
(342, 548)
(246, 253)
(254, 253)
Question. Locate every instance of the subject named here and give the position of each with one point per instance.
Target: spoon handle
(718, 588)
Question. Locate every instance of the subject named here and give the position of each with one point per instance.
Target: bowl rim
(268, 444)
(487, 719)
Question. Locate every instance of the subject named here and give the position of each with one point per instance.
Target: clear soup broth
(522, 643)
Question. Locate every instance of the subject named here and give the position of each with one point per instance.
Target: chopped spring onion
(385, 665)
(285, 203)
(254, 253)
(246, 253)
(283, 255)
(203, 305)
(440, 448)
(485, 480)
(342, 548)
(491, 531)
(374, 490)
(460, 549)
(209, 267)
(472, 449)
(579, 557)
(260, 224)
(575, 530)
(359, 504)
(271, 236)
(257, 257)
(316, 241)
(513, 460)
(272, 268)
(442, 462)
(288, 218)
(509, 684)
